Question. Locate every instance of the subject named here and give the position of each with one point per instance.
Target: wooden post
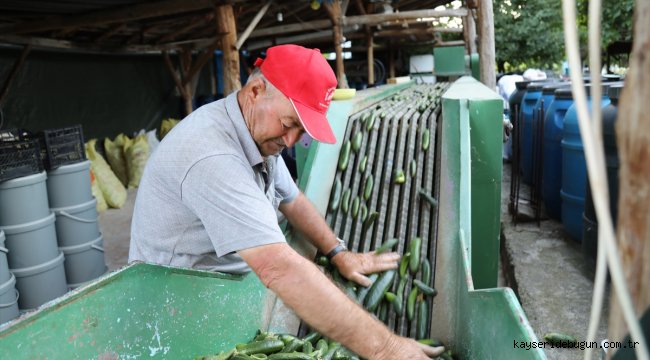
(371, 59)
(469, 32)
(487, 57)
(391, 60)
(186, 65)
(334, 10)
(633, 227)
(226, 25)
(14, 71)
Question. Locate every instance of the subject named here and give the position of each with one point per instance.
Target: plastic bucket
(69, 185)
(8, 300)
(41, 283)
(76, 225)
(4, 265)
(84, 262)
(23, 200)
(32, 243)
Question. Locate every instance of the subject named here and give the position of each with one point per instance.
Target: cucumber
(356, 141)
(333, 347)
(426, 271)
(312, 337)
(414, 167)
(241, 357)
(401, 287)
(323, 261)
(355, 207)
(404, 264)
(363, 291)
(259, 357)
(369, 221)
(426, 290)
(307, 347)
(363, 212)
(559, 337)
(382, 314)
(396, 301)
(292, 346)
(367, 190)
(399, 177)
(321, 348)
(268, 346)
(335, 196)
(345, 201)
(290, 356)
(362, 165)
(423, 319)
(364, 117)
(425, 139)
(344, 158)
(410, 304)
(433, 202)
(415, 249)
(431, 342)
(287, 338)
(382, 114)
(371, 121)
(378, 289)
(388, 245)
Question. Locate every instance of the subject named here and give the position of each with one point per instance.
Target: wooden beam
(177, 81)
(416, 31)
(391, 60)
(633, 224)
(200, 62)
(334, 11)
(225, 18)
(487, 56)
(114, 30)
(14, 71)
(192, 24)
(252, 25)
(470, 38)
(371, 59)
(123, 14)
(372, 19)
(298, 39)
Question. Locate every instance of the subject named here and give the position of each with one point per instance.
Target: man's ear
(258, 87)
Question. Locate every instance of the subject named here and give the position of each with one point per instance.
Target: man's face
(274, 123)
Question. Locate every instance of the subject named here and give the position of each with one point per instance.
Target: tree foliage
(529, 33)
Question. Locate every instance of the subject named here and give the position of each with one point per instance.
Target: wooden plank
(225, 18)
(114, 30)
(633, 227)
(415, 31)
(242, 38)
(200, 62)
(334, 11)
(14, 71)
(174, 75)
(192, 24)
(122, 14)
(372, 19)
(486, 44)
(371, 59)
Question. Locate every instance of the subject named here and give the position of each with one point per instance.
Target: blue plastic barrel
(590, 222)
(552, 173)
(574, 169)
(533, 93)
(514, 109)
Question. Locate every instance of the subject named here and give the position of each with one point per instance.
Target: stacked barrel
(49, 235)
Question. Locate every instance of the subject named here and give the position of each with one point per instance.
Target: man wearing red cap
(210, 194)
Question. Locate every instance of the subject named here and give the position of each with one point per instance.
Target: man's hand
(354, 266)
(399, 348)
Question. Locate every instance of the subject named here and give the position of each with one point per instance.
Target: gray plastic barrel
(41, 283)
(8, 300)
(4, 265)
(76, 225)
(23, 199)
(84, 262)
(32, 243)
(69, 185)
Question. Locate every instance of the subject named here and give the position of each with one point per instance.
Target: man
(209, 195)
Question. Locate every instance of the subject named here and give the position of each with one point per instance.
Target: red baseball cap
(304, 76)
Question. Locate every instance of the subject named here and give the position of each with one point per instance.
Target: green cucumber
(367, 190)
(399, 177)
(369, 221)
(356, 141)
(268, 346)
(292, 346)
(241, 357)
(388, 245)
(431, 342)
(378, 289)
(396, 301)
(426, 271)
(321, 347)
(382, 314)
(426, 290)
(333, 347)
(287, 338)
(401, 287)
(363, 291)
(415, 249)
(414, 167)
(433, 202)
(410, 304)
(423, 319)
(362, 165)
(404, 264)
(559, 337)
(259, 357)
(425, 139)
(312, 337)
(335, 196)
(363, 212)
(345, 201)
(371, 121)
(323, 261)
(355, 207)
(307, 347)
(290, 356)
(382, 115)
(344, 158)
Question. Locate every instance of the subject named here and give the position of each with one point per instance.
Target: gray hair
(257, 74)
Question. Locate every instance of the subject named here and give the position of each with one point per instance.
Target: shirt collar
(251, 151)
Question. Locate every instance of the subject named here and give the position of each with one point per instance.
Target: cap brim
(315, 123)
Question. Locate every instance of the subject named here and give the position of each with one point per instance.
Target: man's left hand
(354, 266)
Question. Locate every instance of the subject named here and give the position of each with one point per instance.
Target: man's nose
(292, 136)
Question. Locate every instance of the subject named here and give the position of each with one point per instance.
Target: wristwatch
(340, 247)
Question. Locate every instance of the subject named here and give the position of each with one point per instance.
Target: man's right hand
(401, 348)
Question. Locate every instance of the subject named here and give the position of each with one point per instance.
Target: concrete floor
(546, 269)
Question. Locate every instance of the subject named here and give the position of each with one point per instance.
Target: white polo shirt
(203, 196)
